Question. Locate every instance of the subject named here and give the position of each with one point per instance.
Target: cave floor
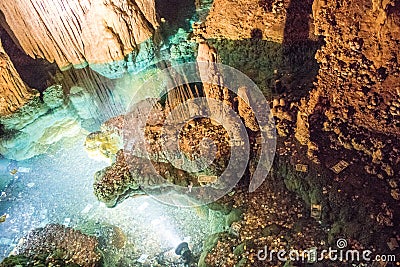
(37, 196)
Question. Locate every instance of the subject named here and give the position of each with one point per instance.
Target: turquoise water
(57, 188)
(51, 182)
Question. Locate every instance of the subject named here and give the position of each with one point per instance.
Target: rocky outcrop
(56, 245)
(80, 32)
(271, 41)
(359, 74)
(354, 106)
(221, 24)
(207, 57)
(128, 175)
(13, 91)
(39, 124)
(357, 86)
(162, 162)
(115, 182)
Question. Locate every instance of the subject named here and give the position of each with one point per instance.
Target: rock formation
(359, 74)
(80, 32)
(13, 91)
(207, 57)
(350, 114)
(355, 102)
(161, 160)
(221, 24)
(129, 174)
(56, 245)
(41, 122)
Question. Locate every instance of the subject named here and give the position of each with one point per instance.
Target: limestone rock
(103, 145)
(36, 138)
(207, 56)
(223, 24)
(59, 243)
(129, 174)
(13, 92)
(76, 32)
(53, 96)
(39, 124)
(245, 111)
(359, 71)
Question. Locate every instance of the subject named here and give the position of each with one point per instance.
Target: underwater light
(184, 251)
(161, 227)
(174, 240)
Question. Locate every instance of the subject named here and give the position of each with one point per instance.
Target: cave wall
(13, 91)
(72, 32)
(359, 64)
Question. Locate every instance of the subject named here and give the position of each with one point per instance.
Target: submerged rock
(55, 245)
(103, 145)
(31, 129)
(23, 142)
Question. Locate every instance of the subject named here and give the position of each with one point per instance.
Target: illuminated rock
(129, 174)
(114, 183)
(103, 145)
(245, 110)
(58, 245)
(53, 96)
(221, 24)
(36, 138)
(37, 125)
(13, 92)
(359, 72)
(81, 32)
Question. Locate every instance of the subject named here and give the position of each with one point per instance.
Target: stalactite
(13, 92)
(99, 88)
(79, 32)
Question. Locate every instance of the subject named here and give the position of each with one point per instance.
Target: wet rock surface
(154, 164)
(55, 245)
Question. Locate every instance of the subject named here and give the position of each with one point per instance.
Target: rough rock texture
(355, 104)
(56, 244)
(271, 41)
(208, 54)
(38, 125)
(258, 19)
(351, 115)
(160, 160)
(129, 174)
(13, 91)
(114, 183)
(35, 72)
(271, 218)
(80, 32)
(245, 111)
(359, 75)
(103, 145)
(229, 25)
